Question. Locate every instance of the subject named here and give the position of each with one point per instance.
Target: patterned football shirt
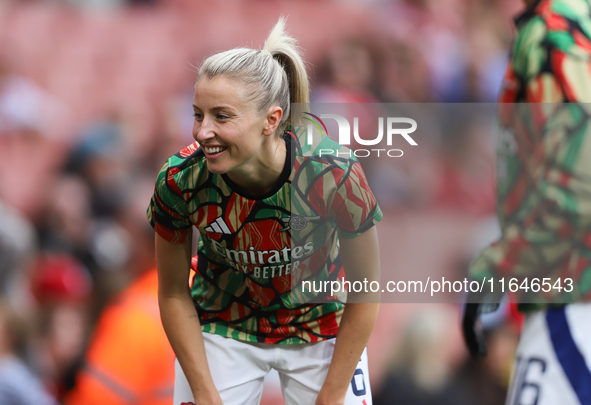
(256, 250)
(544, 155)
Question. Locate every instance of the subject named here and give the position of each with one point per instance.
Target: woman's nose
(203, 130)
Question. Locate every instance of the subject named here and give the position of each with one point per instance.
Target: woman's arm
(180, 319)
(361, 260)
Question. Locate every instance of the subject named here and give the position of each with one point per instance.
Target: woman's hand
(327, 396)
(211, 397)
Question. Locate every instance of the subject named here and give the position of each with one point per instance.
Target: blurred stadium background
(96, 94)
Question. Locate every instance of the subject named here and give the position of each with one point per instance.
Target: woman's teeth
(214, 150)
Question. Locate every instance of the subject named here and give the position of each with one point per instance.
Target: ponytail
(283, 49)
(276, 74)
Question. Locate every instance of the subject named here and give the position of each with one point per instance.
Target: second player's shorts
(553, 359)
(239, 368)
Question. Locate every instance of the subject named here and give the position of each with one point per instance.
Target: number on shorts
(522, 388)
(356, 390)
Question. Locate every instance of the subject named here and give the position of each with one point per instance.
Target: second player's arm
(361, 260)
(180, 319)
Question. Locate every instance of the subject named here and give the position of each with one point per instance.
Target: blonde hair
(276, 73)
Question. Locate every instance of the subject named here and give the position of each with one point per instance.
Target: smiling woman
(238, 185)
(235, 137)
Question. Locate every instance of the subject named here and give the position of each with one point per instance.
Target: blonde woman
(237, 185)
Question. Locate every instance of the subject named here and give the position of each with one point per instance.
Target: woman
(240, 185)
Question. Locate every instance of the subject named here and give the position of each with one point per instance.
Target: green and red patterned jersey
(255, 250)
(544, 154)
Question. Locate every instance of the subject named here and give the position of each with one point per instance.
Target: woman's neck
(260, 176)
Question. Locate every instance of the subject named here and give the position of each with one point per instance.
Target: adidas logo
(218, 226)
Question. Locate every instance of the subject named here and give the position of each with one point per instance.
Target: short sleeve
(167, 212)
(354, 206)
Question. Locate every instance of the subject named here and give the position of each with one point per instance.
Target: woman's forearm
(355, 329)
(360, 257)
(180, 319)
(183, 329)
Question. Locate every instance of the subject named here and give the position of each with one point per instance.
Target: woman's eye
(197, 115)
(222, 117)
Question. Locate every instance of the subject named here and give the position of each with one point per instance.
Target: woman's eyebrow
(221, 107)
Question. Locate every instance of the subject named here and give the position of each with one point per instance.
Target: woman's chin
(216, 168)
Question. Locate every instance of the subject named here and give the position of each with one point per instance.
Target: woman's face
(227, 125)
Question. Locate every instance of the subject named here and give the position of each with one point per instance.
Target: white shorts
(239, 368)
(554, 358)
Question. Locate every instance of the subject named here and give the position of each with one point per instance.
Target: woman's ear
(272, 120)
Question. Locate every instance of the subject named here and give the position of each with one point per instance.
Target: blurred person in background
(97, 157)
(70, 228)
(444, 50)
(24, 106)
(67, 220)
(424, 364)
(543, 205)
(85, 208)
(129, 360)
(348, 76)
(487, 39)
(18, 247)
(106, 175)
(433, 29)
(486, 381)
(429, 367)
(402, 71)
(30, 121)
(18, 384)
(63, 289)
